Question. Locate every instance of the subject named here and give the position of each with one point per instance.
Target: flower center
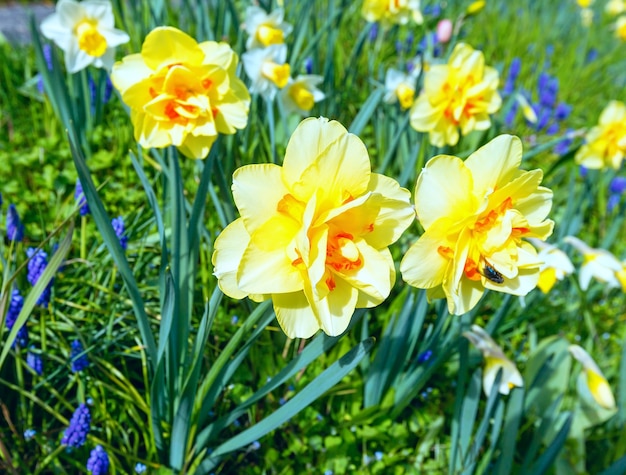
(267, 35)
(89, 38)
(277, 73)
(302, 97)
(342, 254)
(405, 95)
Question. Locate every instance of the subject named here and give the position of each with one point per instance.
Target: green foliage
(184, 380)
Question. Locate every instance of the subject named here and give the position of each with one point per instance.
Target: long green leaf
(103, 222)
(329, 377)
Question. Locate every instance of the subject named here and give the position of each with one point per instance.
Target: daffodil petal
(295, 315)
(229, 249)
(495, 163)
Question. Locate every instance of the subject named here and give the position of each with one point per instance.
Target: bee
(492, 274)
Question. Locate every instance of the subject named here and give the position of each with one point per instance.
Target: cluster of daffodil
(605, 144)
(592, 386)
(314, 234)
(392, 12)
(265, 63)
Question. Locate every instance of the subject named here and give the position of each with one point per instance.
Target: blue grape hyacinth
(119, 227)
(15, 228)
(79, 196)
(36, 266)
(98, 463)
(77, 357)
(15, 307)
(76, 433)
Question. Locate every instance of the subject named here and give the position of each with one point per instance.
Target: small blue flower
(256, 445)
(424, 356)
(36, 265)
(119, 228)
(98, 463)
(373, 33)
(618, 185)
(308, 65)
(79, 196)
(35, 361)
(15, 228)
(78, 358)
(29, 434)
(613, 202)
(563, 146)
(140, 468)
(15, 307)
(76, 433)
(108, 90)
(562, 111)
(234, 319)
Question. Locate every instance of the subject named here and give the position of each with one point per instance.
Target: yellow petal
(228, 251)
(197, 147)
(442, 190)
(131, 70)
(335, 311)
(547, 279)
(377, 275)
(395, 214)
(425, 264)
(311, 137)
(495, 163)
(257, 190)
(265, 271)
(340, 173)
(294, 314)
(165, 46)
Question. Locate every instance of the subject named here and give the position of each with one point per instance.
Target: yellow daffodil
(591, 380)
(606, 142)
(584, 3)
(494, 361)
(301, 94)
(599, 264)
(460, 94)
(620, 28)
(555, 265)
(400, 87)
(182, 93)
(85, 32)
(313, 234)
(265, 29)
(475, 214)
(392, 11)
(527, 109)
(267, 70)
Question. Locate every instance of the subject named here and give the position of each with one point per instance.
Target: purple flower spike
(76, 433)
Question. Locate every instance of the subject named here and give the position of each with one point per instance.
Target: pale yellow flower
(606, 142)
(267, 70)
(400, 87)
(615, 7)
(475, 214)
(182, 93)
(85, 32)
(584, 3)
(457, 95)
(599, 264)
(495, 360)
(301, 94)
(313, 234)
(591, 380)
(392, 11)
(265, 29)
(555, 265)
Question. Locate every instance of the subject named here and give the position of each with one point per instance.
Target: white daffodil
(600, 264)
(400, 86)
(266, 69)
(265, 29)
(591, 380)
(494, 360)
(85, 32)
(556, 265)
(301, 94)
